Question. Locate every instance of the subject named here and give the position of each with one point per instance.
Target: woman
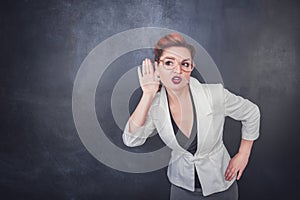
(189, 117)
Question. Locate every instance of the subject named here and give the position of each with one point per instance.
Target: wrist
(149, 95)
(245, 147)
(245, 153)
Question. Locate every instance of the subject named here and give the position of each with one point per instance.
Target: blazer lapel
(164, 123)
(203, 111)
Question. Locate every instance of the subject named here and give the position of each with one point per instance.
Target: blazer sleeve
(245, 111)
(141, 134)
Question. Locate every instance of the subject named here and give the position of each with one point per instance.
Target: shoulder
(213, 92)
(213, 87)
(208, 88)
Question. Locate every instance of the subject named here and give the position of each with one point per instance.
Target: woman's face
(176, 78)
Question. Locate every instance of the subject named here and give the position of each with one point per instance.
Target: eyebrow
(172, 58)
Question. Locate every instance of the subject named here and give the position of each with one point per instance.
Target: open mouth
(176, 79)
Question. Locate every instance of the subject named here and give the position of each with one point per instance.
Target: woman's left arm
(248, 113)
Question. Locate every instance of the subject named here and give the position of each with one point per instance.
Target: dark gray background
(255, 45)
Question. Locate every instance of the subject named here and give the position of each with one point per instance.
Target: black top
(188, 143)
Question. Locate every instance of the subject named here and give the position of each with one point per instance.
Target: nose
(177, 68)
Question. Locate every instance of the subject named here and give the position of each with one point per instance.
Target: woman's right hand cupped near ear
(148, 77)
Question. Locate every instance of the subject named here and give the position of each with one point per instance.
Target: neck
(178, 95)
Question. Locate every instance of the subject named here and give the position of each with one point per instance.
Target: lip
(176, 79)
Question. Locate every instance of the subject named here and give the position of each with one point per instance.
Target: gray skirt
(178, 193)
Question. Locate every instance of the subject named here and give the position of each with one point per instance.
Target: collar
(203, 109)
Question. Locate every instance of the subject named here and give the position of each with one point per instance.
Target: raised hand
(148, 77)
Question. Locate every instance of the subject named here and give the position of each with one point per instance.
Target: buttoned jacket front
(212, 104)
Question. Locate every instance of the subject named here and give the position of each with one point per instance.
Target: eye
(186, 64)
(169, 63)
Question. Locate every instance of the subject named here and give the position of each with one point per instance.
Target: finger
(228, 170)
(150, 67)
(155, 65)
(229, 173)
(139, 72)
(227, 178)
(155, 70)
(232, 175)
(240, 174)
(144, 67)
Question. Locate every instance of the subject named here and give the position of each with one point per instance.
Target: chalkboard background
(255, 45)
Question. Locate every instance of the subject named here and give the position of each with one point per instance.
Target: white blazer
(212, 104)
